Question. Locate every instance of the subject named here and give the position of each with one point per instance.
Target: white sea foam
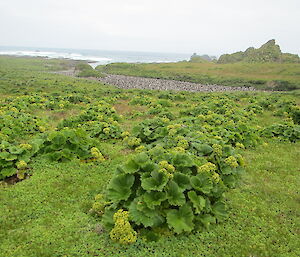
(52, 55)
(95, 57)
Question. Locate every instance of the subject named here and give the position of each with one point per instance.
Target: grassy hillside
(272, 76)
(47, 212)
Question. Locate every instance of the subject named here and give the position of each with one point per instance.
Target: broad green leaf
(219, 210)
(206, 220)
(154, 198)
(66, 153)
(202, 183)
(108, 217)
(15, 150)
(36, 145)
(58, 139)
(130, 167)
(149, 166)
(198, 201)
(182, 160)
(141, 214)
(4, 155)
(11, 157)
(182, 180)
(202, 149)
(226, 170)
(181, 220)
(7, 172)
(175, 195)
(229, 180)
(141, 158)
(119, 187)
(156, 181)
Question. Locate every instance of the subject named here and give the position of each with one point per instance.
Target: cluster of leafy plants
(64, 145)
(68, 144)
(287, 132)
(14, 158)
(72, 139)
(16, 123)
(182, 167)
(50, 102)
(182, 170)
(99, 120)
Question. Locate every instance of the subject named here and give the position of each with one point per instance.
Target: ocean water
(94, 57)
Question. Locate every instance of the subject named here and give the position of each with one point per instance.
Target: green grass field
(48, 214)
(258, 75)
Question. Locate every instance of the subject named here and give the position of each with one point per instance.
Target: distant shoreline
(94, 56)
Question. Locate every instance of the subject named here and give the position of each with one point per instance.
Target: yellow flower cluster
(14, 109)
(140, 149)
(42, 129)
(100, 117)
(125, 134)
(26, 146)
(98, 208)
(172, 129)
(97, 154)
(240, 160)
(21, 165)
(165, 120)
(231, 161)
(99, 205)
(133, 141)
(167, 166)
(207, 167)
(106, 131)
(201, 117)
(229, 112)
(20, 174)
(179, 149)
(240, 145)
(207, 127)
(122, 232)
(216, 177)
(167, 169)
(183, 143)
(217, 149)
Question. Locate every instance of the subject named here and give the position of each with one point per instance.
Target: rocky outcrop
(202, 58)
(268, 52)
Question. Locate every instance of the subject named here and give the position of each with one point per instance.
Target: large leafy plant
(171, 189)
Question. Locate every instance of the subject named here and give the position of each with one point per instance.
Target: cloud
(212, 27)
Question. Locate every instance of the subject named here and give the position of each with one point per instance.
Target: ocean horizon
(95, 57)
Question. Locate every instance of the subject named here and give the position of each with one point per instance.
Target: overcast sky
(202, 26)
